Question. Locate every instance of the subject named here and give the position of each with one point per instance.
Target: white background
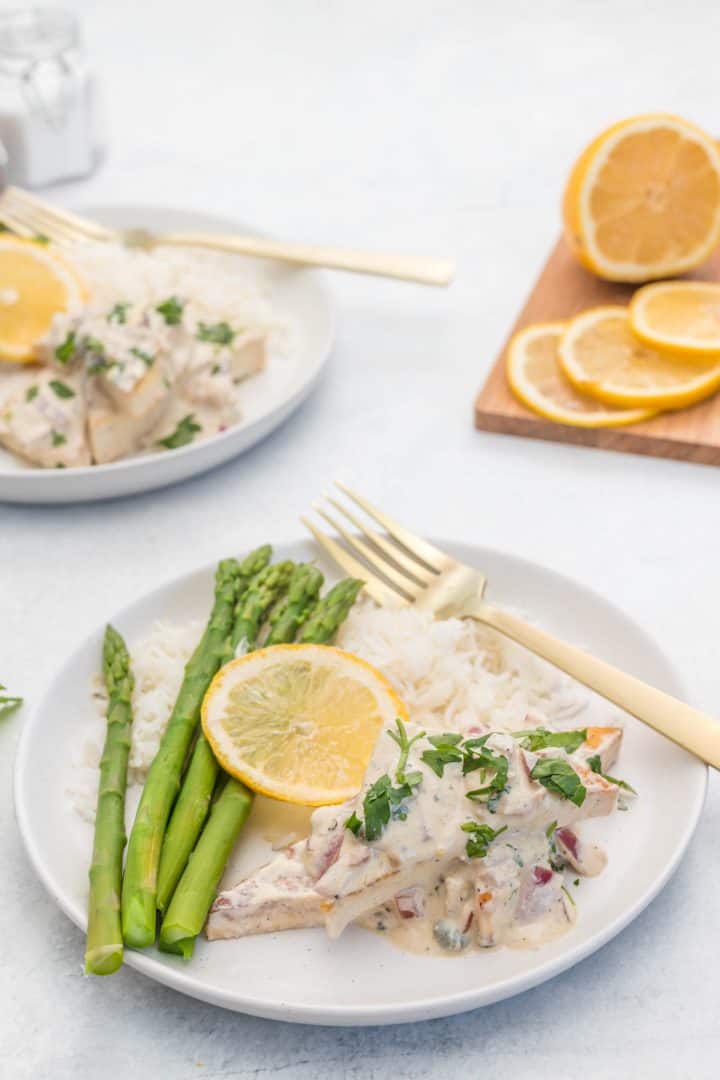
(416, 126)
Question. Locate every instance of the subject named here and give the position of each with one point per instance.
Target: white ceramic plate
(299, 297)
(363, 979)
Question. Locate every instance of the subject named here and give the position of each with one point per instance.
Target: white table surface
(422, 127)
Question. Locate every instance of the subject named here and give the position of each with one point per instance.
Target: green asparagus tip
(256, 561)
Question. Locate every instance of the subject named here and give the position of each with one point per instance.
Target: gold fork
(412, 571)
(29, 216)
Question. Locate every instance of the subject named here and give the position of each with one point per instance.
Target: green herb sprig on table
(8, 703)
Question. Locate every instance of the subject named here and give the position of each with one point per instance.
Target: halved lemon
(536, 378)
(682, 317)
(298, 722)
(35, 283)
(643, 199)
(602, 357)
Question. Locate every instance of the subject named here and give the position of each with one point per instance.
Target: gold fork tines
(401, 568)
(29, 216)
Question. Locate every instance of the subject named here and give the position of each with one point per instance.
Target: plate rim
(72, 478)
(181, 979)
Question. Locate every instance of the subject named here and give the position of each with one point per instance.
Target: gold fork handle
(427, 271)
(687, 727)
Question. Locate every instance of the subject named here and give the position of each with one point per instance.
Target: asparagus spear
(163, 780)
(258, 592)
(104, 948)
(331, 612)
(304, 589)
(198, 886)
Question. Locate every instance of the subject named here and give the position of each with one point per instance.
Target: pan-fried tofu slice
(604, 742)
(279, 896)
(42, 419)
(114, 431)
(248, 355)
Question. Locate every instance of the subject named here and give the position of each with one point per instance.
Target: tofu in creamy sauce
(421, 882)
(118, 381)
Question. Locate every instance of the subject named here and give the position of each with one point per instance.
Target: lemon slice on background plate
(682, 317)
(537, 380)
(35, 283)
(643, 199)
(298, 722)
(602, 357)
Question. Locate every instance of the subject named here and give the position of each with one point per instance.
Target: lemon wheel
(35, 283)
(682, 317)
(298, 722)
(538, 381)
(602, 357)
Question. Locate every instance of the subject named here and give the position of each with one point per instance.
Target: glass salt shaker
(47, 98)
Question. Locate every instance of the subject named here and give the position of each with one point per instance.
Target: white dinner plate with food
(212, 352)
(443, 674)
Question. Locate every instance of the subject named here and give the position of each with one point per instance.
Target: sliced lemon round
(682, 317)
(298, 722)
(536, 378)
(643, 199)
(602, 357)
(35, 283)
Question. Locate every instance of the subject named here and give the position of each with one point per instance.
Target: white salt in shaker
(47, 98)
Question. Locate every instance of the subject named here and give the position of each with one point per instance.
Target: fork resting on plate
(29, 216)
(409, 570)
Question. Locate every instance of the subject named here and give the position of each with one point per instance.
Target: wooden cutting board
(562, 290)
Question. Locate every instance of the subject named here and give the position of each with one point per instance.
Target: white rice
(218, 287)
(452, 675)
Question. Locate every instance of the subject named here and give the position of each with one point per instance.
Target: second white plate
(299, 298)
(362, 979)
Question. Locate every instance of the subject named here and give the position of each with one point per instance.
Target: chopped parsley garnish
(64, 352)
(383, 801)
(8, 703)
(119, 313)
(41, 238)
(101, 365)
(446, 751)
(171, 310)
(216, 333)
(94, 345)
(481, 836)
(550, 831)
(216, 369)
(58, 439)
(31, 393)
(183, 434)
(147, 358)
(479, 757)
(596, 765)
(540, 738)
(570, 898)
(559, 777)
(61, 389)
